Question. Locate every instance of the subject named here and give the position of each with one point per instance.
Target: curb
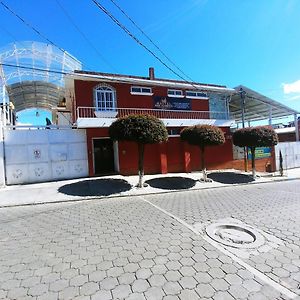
(91, 198)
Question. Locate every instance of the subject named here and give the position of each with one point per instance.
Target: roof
(32, 94)
(285, 130)
(257, 106)
(97, 76)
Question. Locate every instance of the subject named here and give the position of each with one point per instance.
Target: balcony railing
(92, 112)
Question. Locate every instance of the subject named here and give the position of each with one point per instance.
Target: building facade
(97, 99)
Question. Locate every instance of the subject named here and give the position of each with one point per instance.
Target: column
(296, 127)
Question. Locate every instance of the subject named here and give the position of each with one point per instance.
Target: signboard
(168, 103)
(260, 152)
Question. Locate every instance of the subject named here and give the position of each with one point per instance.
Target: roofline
(81, 75)
(266, 99)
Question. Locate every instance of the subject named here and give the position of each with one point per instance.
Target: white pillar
(296, 127)
(2, 167)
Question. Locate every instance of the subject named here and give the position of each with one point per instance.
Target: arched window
(105, 98)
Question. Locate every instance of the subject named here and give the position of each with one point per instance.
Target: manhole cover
(235, 235)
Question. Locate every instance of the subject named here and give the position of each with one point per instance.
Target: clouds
(291, 90)
(293, 87)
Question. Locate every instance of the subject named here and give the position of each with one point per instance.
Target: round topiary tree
(141, 129)
(252, 137)
(202, 136)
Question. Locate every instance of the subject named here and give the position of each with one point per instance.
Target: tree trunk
(280, 164)
(203, 163)
(253, 162)
(141, 148)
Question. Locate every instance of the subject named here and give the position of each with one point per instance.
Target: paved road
(153, 247)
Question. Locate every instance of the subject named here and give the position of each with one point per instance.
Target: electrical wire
(115, 79)
(128, 32)
(83, 35)
(34, 69)
(150, 40)
(33, 28)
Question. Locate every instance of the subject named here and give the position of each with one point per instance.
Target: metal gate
(40, 155)
(290, 153)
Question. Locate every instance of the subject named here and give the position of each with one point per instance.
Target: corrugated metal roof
(257, 106)
(32, 94)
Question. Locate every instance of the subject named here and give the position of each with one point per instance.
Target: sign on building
(260, 152)
(168, 103)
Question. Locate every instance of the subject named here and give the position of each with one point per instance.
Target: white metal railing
(93, 112)
(38, 127)
(6, 114)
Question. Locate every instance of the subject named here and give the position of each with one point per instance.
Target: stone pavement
(150, 246)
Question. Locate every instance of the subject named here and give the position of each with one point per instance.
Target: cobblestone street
(149, 247)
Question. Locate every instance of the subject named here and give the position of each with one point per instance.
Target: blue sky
(251, 42)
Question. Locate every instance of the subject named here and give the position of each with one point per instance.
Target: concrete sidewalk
(118, 186)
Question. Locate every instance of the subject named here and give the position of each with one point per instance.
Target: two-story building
(97, 99)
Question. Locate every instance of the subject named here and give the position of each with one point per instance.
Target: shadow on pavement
(172, 183)
(97, 187)
(230, 177)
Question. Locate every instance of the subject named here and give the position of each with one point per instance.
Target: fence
(290, 153)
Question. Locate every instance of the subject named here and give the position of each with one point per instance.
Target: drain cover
(235, 235)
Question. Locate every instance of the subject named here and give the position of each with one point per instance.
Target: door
(103, 156)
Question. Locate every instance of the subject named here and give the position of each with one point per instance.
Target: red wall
(173, 156)
(85, 97)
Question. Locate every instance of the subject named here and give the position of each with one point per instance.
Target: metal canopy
(32, 94)
(257, 106)
(32, 74)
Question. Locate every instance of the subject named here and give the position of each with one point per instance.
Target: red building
(97, 99)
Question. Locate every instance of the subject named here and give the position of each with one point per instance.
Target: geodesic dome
(32, 74)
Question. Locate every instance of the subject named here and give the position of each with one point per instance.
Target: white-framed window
(196, 94)
(105, 97)
(141, 90)
(175, 93)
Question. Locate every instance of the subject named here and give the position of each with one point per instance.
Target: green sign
(260, 152)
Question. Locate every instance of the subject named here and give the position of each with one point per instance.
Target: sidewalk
(118, 186)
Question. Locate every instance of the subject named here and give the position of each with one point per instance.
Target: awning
(257, 106)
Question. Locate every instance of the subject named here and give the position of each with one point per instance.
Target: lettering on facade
(168, 103)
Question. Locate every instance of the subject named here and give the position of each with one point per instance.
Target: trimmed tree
(203, 136)
(141, 129)
(252, 137)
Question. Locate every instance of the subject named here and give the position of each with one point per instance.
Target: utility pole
(243, 96)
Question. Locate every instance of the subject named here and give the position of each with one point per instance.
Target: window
(139, 90)
(174, 132)
(175, 93)
(105, 98)
(196, 94)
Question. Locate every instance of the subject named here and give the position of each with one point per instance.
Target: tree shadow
(96, 187)
(230, 177)
(172, 183)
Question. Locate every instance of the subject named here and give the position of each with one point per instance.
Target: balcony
(88, 117)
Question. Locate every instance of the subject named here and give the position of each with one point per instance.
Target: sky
(229, 42)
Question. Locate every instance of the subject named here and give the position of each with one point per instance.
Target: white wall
(290, 153)
(44, 155)
(2, 173)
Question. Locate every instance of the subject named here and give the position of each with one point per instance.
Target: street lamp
(242, 93)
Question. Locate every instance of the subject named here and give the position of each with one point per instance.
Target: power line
(115, 78)
(83, 35)
(150, 40)
(33, 28)
(34, 69)
(117, 22)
